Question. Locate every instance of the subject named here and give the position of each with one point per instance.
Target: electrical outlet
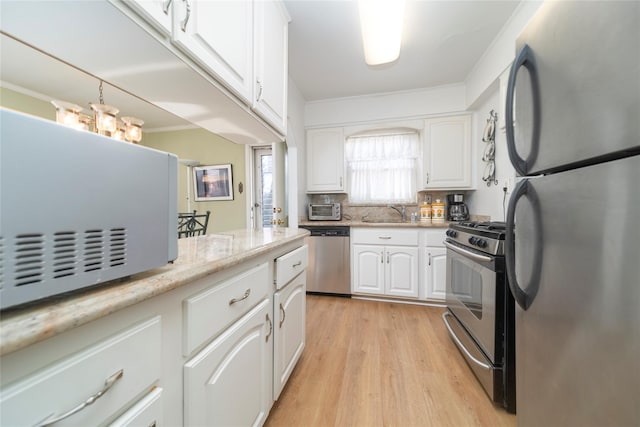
(509, 183)
(428, 198)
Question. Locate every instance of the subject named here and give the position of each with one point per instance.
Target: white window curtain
(382, 167)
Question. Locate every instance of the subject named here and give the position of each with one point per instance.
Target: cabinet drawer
(384, 236)
(434, 238)
(209, 312)
(67, 383)
(290, 265)
(146, 412)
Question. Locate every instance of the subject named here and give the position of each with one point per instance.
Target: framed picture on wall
(213, 183)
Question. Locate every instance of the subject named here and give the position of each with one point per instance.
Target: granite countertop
(197, 258)
(354, 223)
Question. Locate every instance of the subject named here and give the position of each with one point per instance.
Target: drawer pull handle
(284, 315)
(108, 383)
(270, 328)
(243, 297)
(297, 264)
(384, 237)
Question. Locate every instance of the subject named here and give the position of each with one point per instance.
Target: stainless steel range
(480, 307)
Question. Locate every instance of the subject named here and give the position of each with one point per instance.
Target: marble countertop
(353, 223)
(197, 258)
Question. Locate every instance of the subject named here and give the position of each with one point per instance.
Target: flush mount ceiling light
(381, 24)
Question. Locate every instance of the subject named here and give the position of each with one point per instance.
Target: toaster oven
(324, 212)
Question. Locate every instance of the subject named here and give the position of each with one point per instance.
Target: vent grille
(37, 258)
(118, 247)
(29, 259)
(93, 250)
(65, 254)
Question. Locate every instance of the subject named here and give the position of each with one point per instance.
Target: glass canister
(438, 211)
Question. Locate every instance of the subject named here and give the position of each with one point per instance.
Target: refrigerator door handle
(523, 296)
(525, 59)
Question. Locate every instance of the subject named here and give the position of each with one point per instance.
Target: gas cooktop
(487, 236)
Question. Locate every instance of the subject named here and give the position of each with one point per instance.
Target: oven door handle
(474, 256)
(459, 343)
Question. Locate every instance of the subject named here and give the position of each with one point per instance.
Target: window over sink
(382, 166)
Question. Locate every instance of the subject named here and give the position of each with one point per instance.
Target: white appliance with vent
(79, 209)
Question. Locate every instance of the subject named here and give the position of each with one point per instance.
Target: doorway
(263, 187)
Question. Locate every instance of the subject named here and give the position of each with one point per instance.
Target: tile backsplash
(379, 212)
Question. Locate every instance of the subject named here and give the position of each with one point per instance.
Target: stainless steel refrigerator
(573, 224)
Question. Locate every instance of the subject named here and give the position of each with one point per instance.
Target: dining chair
(192, 224)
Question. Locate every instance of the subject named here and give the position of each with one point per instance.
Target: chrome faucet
(402, 211)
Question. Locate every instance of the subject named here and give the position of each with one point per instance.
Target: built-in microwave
(324, 212)
(79, 209)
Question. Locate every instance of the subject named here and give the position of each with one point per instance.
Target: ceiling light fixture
(105, 120)
(381, 24)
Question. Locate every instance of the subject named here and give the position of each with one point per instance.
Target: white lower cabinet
(112, 372)
(436, 273)
(199, 355)
(146, 412)
(289, 335)
(434, 264)
(228, 383)
(385, 269)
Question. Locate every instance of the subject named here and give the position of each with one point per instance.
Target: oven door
(471, 295)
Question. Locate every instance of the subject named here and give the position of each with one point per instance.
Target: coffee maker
(456, 208)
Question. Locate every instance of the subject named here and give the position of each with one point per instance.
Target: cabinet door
(289, 330)
(155, 12)
(325, 160)
(436, 270)
(218, 35)
(447, 152)
(401, 271)
(229, 382)
(271, 43)
(367, 272)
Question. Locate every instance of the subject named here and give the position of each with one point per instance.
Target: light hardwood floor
(376, 364)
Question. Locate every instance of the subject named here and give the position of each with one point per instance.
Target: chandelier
(103, 120)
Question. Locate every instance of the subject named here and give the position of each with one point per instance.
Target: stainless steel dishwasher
(329, 270)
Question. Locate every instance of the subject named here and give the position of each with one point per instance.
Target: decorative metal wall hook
(488, 156)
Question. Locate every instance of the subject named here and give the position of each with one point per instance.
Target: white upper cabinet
(325, 160)
(271, 34)
(218, 35)
(156, 12)
(447, 153)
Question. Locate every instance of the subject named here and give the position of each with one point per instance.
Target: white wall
(499, 55)
(296, 154)
(385, 106)
(488, 200)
